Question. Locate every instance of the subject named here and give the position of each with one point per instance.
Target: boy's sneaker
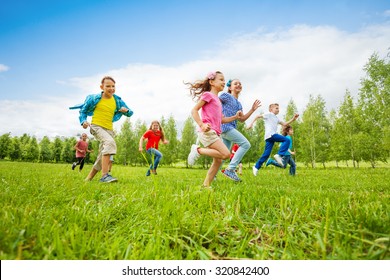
(108, 179)
(268, 162)
(148, 172)
(279, 159)
(231, 175)
(194, 155)
(255, 170)
(74, 165)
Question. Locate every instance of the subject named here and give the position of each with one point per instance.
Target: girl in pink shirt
(206, 93)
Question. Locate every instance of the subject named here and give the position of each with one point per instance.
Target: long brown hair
(201, 86)
(159, 128)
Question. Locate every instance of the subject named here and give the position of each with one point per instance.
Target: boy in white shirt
(271, 136)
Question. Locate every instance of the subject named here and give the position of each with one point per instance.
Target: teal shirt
(290, 147)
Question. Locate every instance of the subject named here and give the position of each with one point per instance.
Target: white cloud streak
(3, 68)
(272, 66)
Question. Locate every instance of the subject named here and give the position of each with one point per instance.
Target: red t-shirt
(153, 139)
(234, 150)
(82, 145)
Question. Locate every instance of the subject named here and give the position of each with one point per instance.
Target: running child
(105, 108)
(271, 136)
(230, 107)
(153, 137)
(81, 148)
(288, 131)
(206, 93)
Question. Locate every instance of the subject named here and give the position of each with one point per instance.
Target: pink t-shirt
(82, 145)
(212, 111)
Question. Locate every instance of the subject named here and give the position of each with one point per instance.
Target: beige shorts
(208, 138)
(107, 144)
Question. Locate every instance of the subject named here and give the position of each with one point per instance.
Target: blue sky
(53, 53)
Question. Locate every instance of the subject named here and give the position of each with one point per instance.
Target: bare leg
(212, 172)
(105, 164)
(218, 151)
(91, 174)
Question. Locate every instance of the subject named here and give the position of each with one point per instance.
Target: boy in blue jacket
(105, 108)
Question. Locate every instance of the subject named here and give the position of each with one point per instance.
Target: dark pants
(269, 144)
(80, 161)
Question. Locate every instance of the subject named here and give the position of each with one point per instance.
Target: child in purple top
(230, 133)
(206, 92)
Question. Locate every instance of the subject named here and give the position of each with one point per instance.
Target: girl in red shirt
(81, 148)
(153, 137)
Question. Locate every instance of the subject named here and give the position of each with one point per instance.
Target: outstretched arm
(254, 120)
(255, 106)
(290, 121)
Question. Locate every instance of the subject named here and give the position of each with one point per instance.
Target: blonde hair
(201, 86)
(108, 78)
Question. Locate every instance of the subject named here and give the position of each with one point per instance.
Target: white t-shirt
(271, 122)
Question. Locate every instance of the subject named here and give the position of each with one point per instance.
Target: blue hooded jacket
(88, 107)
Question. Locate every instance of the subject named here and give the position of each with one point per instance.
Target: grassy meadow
(49, 212)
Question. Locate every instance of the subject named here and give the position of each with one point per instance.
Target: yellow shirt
(104, 113)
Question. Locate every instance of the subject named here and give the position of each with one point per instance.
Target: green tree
(374, 110)
(314, 132)
(68, 153)
(188, 137)
(290, 112)
(170, 150)
(139, 131)
(15, 152)
(256, 138)
(57, 149)
(32, 150)
(24, 142)
(345, 128)
(126, 143)
(5, 144)
(45, 152)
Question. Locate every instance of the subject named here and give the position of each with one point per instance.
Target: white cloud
(3, 68)
(273, 67)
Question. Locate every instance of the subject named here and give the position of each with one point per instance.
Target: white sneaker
(255, 170)
(279, 159)
(194, 155)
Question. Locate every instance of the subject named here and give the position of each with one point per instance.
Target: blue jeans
(155, 156)
(287, 159)
(269, 144)
(234, 136)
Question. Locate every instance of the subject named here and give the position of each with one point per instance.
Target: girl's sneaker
(194, 155)
(231, 175)
(108, 179)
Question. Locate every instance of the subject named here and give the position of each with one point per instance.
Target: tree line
(357, 131)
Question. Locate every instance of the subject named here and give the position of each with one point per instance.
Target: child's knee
(225, 155)
(246, 145)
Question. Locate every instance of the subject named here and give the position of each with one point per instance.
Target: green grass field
(49, 212)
